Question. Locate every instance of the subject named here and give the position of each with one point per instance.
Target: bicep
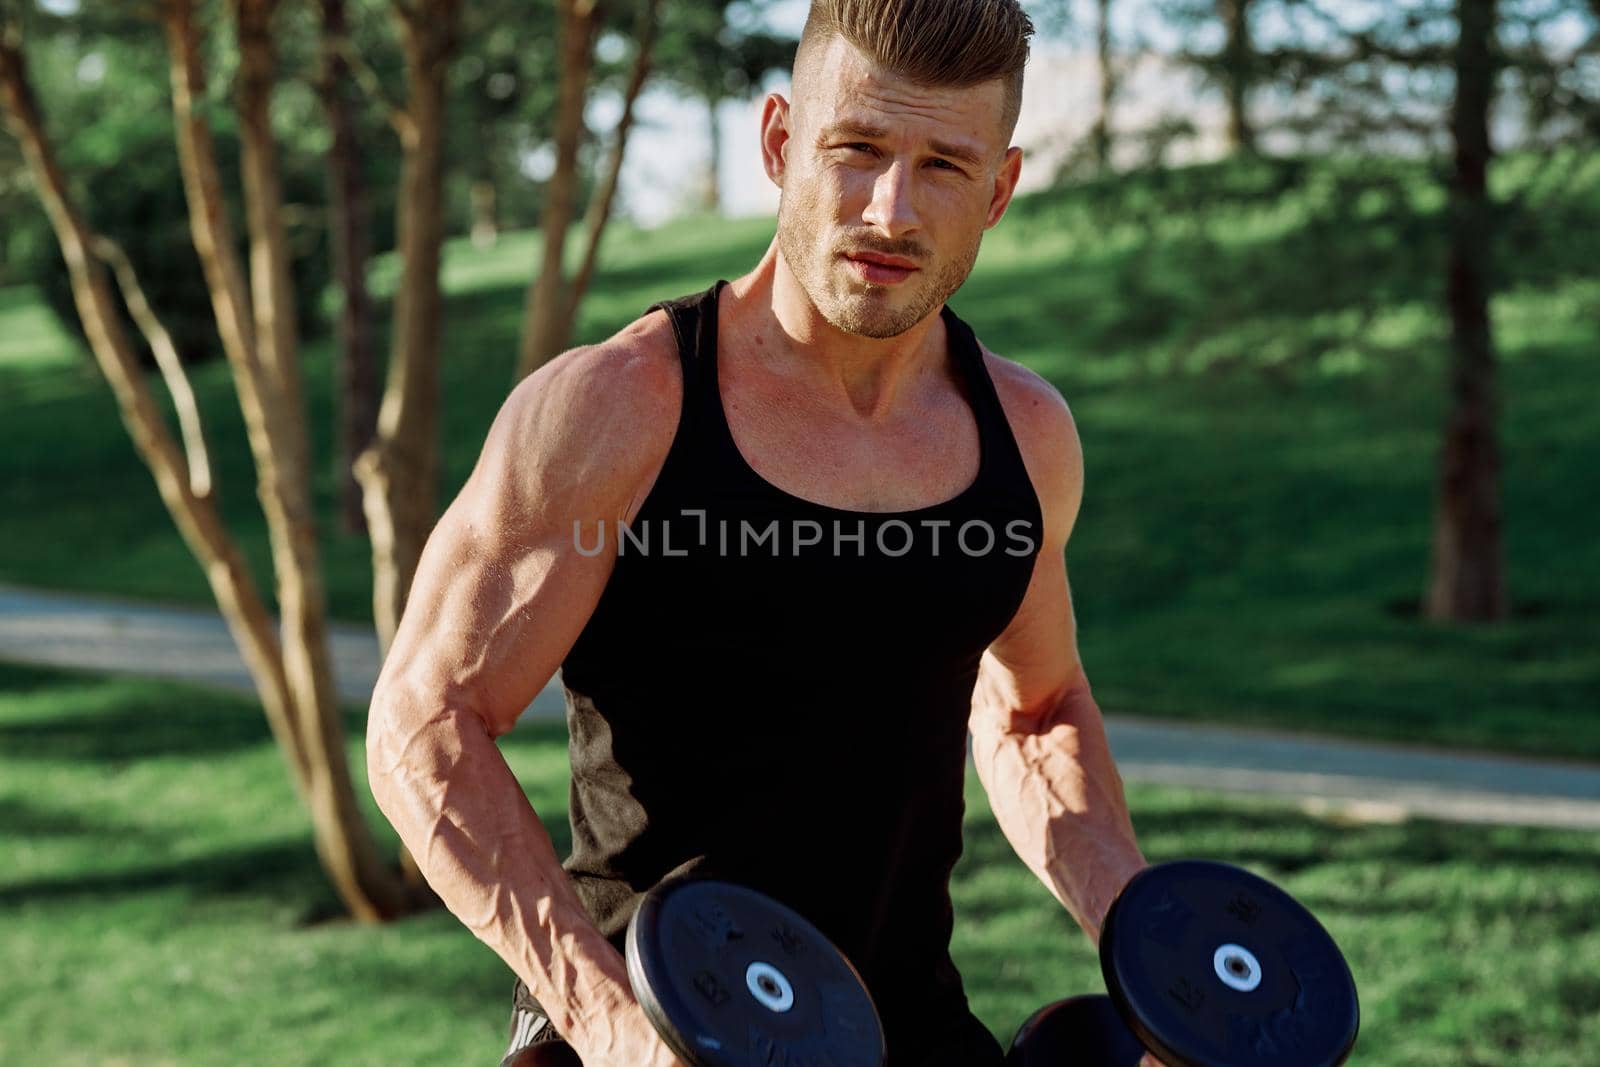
(1035, 659)
(491, 615)
(510, 575)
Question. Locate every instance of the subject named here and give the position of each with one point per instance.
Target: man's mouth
(880, 269)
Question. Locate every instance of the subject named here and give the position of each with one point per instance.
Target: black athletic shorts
(970, 1046)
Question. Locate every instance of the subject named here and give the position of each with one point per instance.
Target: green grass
(31, 339)
(162, 906)
(1256, 357)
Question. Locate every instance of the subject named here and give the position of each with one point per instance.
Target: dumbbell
(1207, 965)
(732, 978)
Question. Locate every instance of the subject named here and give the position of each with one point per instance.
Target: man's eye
(859, 147)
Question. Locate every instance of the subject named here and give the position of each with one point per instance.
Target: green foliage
(1288, 266)
(114, 136)
(130, 189)
(1372, 77)
(157, 861)
(713, 57)
(502, 105)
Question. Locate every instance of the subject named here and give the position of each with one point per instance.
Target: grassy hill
(1256, 358)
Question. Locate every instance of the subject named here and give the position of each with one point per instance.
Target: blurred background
(1320, 280)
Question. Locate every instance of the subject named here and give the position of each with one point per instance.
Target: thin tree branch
(370, 84)
(194, 441)
(600, 206)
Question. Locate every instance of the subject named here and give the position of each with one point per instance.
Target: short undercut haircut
(940, 43)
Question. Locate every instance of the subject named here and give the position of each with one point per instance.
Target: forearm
(1057, 796)
(442, 782)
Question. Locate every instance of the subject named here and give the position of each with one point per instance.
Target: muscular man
(788, 539)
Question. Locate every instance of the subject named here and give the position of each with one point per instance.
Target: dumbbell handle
(1085, 1031)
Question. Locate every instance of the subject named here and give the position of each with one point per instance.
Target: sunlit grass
(30, 337)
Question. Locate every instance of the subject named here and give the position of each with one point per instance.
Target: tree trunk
(544, 329)
(399, 474)
(1101, 135)
(1239, 73)
(356, 381)
(605, 196)
(257, 328)
(343, 838)
(485, 216)
(711, 201)
(194, 512)
(1467, 578)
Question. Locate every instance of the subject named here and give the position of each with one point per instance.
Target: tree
(1467, 577)
(1428, 75)
(1236, 66)
(544, 322)
(552, 304)
(356, 362)
(399, 472)
(1100, 136)
(257, 327)
(707, 55)
(292, 669)
(97, 76)
(500, 109)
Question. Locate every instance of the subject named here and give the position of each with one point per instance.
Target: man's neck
(772, 312)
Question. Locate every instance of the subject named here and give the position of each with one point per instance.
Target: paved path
(185, 644)
(1361, 780)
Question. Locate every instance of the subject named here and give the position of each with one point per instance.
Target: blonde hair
(953, 43)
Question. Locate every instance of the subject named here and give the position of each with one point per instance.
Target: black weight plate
(1213, 966)
(1081, 1031)
(732, 978)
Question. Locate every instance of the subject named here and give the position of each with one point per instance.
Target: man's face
(877, 168)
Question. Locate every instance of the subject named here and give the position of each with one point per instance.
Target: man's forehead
(845, 88)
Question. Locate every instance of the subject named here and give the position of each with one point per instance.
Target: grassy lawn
(162, 906)
(1256, 360)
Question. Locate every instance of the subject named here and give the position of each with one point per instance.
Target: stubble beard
(848, 304)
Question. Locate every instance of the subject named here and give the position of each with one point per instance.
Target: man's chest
(924, 454)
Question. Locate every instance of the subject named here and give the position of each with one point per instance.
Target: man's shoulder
(635, 367)
(1046, 435)
(596, 416)
(630, 383)
(1038, 413)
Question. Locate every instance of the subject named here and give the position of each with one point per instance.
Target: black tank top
(776, 692)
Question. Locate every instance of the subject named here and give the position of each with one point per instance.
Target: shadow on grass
(1332, 867)
(143, 728)
(1290, 844)
(278, 870)
(121, 720)
(27, 820)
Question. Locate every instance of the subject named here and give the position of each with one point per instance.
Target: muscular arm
(1038, 740)
(500, 595)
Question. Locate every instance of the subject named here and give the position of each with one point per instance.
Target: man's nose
(891, 209)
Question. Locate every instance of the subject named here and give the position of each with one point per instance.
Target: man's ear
(775, 133)
(1005, 186)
